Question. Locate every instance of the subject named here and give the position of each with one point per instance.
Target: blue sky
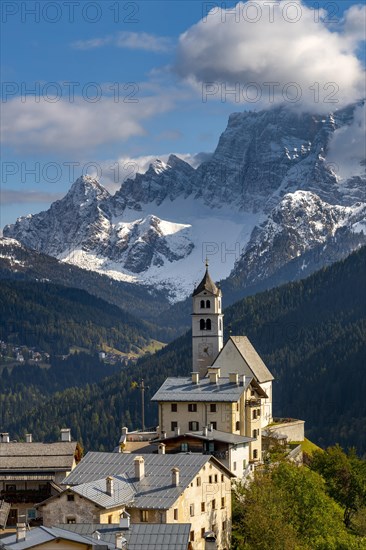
(118, 83)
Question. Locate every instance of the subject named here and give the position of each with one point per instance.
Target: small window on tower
(208, 324)
(208, 303)
(174, 407)
(202, 324)
(202, 304)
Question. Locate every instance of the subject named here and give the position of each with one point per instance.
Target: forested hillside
(54, 318)
(310, 333)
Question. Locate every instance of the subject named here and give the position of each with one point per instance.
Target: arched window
(202, 324)
(202, 304)
(208, 304)
(208, 324)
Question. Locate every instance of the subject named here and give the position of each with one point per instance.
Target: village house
(31, 472)
(154, 488)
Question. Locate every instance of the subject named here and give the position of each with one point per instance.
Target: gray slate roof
(155, 490)
(41, 535)
(152, 536)
(123, 492)
(216, 435)
(37, 456)
(253, 360)
(183, 389)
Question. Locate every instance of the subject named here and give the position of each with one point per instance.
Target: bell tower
(207, 324)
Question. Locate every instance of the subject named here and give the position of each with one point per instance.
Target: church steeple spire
(207, 324)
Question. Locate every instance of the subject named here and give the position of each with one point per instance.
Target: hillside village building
(230, 390)
(31, 472)
(179, 488)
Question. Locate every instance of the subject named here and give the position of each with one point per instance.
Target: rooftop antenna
(141, 387)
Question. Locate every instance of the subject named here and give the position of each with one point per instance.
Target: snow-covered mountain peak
(269, 194)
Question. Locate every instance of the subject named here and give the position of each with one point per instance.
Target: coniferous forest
(310, 333)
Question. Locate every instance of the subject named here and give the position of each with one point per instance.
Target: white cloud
(347, 149)
(354, 23)
(76, 126)
(231, 51)
(129, 40)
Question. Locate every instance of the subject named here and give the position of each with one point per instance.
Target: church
(226, 403)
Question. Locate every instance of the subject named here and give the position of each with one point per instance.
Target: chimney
(210, 428)
(161, 449)
(139, 467)
(195, 377)
(204, 431)
(163, 435)
(109, 486)
(28, 438)
(65, 434)
(175, 477)
(124, 520)
(21, 532)
(120, 541)
(177, 430)
(124, 430)
(212, 370)
(242, 381)
(5, 438)
(233, 378)
(213, 377)
(96, 535)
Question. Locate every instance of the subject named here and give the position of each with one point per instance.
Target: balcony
(25, 496)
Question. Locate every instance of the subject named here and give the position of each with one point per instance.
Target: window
(31, 513)
(214, 425)
(237, 425)
(174, 425)
(191, 536)
(70, 498)
(213, 504)
(258, 412)
(70, 520)
(234, 466)
(255, 453)
(237, 406)
(254, 433)
(222, 502)
(176, 514)
(222, 478)
(193, 426)
(11, 488)
(208, 324)
(144, 515)
(174, 407)
(184, 447)
(213, 407)
(210, 479)
(215, 478)
(203, 507)
(202, 304)
(191, 510)
(252, 393)
(254, 414)
(192, 407)
(220, 324)
(208, 303)
(203, 531)
(202, 324)
(224, 526)
(110, 517)
(198, 482)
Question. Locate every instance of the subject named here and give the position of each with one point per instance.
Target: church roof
(207, 284)
(251, 357)
(183, 389)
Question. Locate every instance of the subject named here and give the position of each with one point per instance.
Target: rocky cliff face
(270, 194)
